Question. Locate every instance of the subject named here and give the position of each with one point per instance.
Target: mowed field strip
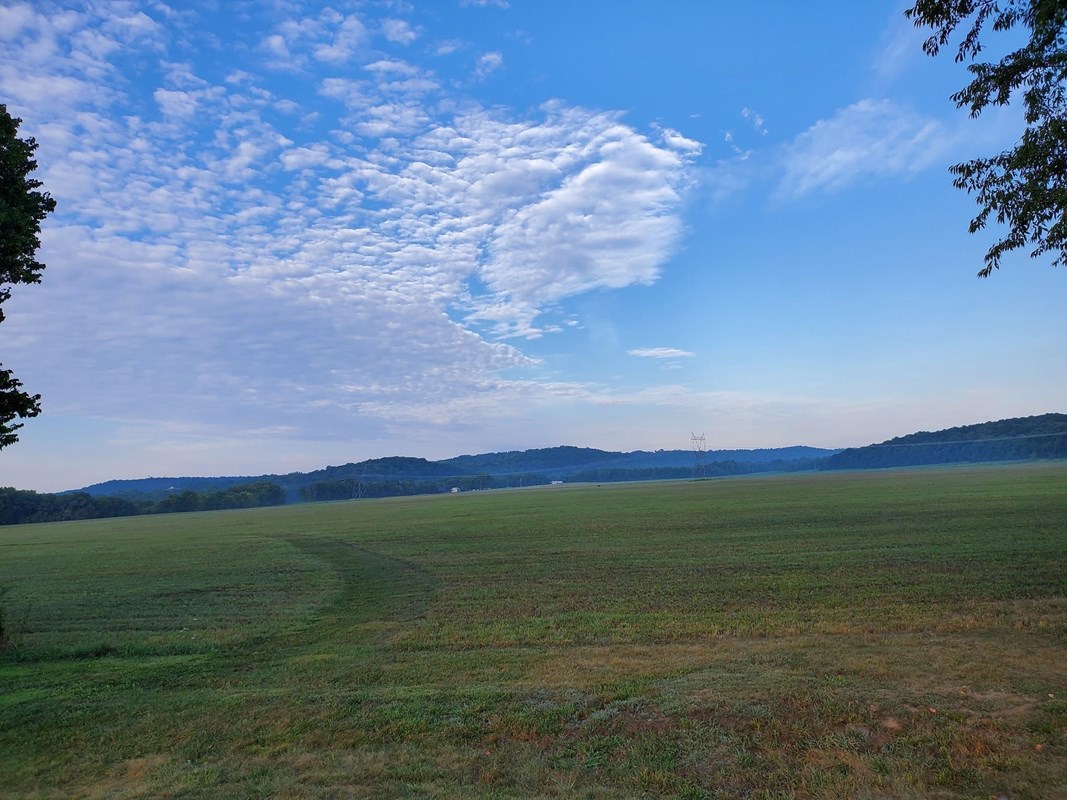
(896, 634)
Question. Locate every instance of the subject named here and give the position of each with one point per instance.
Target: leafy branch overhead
(22, 209)
(1024, 188)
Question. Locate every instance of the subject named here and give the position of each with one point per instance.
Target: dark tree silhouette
(1024, 188)
(22, 208)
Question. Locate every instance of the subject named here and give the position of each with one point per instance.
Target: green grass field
(867, 635)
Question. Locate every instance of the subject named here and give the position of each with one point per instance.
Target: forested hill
(518, 468)
(1017, 439)
(564, 460)
(1021, 438)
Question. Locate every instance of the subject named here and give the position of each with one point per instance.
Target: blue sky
(293, 234)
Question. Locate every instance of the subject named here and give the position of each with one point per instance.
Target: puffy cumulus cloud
(868, 138)
(342, 247)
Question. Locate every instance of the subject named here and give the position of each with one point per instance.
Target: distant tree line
(353, 488)
(713, 469)
(246, 495)
(20, 506)
(1017, 439)
(914, 454)
(359, 488)
(545, 459)
(1026, 438)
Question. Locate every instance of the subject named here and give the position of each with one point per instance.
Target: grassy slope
(895, 634)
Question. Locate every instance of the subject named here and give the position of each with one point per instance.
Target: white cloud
(901, 47)
(673, 139)
(176, 104)
(275, 45)
(488, 64)
(756, 119)
(328, 37)
(343, 43)
(135, 23)
(398, 31)
(448, 47)
(391, 66)
(659, 352)
(601, 214)
(742, 155)
(305, 157)
(14, 19)
(868, 138)
(216, 264)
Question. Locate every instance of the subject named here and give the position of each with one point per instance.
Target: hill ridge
(1015, 438)
(1012, 439)
(509, 462)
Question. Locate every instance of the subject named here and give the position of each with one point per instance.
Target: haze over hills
(1020, 438)
(1017, 439)
(528, 466)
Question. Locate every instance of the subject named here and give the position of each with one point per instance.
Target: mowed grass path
(870, 635)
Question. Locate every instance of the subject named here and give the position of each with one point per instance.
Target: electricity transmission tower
(700, 455)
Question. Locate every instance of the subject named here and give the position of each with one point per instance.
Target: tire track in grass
(374, 587)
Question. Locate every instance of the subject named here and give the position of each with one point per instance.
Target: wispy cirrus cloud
(659, 352)
(870, 138)
(756, 120)
(901, 47)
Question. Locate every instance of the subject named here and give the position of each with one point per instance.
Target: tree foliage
(1019, 439)
(22, 209)
(1024, 188)
(18, 506)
